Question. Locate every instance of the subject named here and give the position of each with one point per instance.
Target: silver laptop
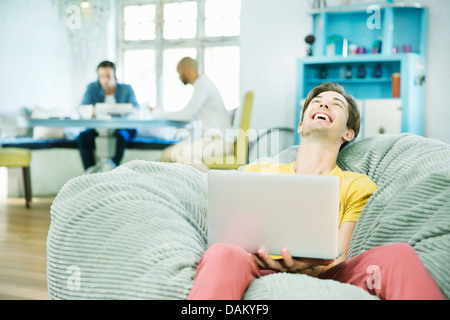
(272, 211)
(113, 109)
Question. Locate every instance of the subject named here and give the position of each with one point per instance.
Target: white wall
(438, 73)
(272, 40)
(34, 61)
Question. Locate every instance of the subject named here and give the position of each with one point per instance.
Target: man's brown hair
(354, 117)
(108, 64)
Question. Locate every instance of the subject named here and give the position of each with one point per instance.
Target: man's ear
(300, 128)
(349, 134)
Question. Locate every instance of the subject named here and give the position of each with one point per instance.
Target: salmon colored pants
(392, 272)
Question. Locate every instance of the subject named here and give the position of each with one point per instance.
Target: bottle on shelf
(323, 74)
(362, 71)
(378, 71)
(348, 72)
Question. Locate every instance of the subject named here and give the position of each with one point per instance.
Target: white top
(110, 99)
(206, 106)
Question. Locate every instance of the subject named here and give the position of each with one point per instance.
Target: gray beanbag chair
(138, 231)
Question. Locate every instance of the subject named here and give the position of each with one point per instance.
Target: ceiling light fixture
(85, 5)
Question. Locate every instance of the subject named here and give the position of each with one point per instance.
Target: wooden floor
(23, 257)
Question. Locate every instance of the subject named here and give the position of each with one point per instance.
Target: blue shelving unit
(398, 27)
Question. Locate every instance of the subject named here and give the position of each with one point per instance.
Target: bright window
(139, 22)
(154, 35)
(222, 66)
(222, 18)
(180, 20)
(139, 70)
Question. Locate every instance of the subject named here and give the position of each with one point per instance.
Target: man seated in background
(106, 90)
(207, 109)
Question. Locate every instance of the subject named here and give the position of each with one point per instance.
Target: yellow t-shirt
(355, 188)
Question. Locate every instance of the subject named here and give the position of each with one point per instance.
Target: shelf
(363, 8)
(358, 58)
(350, 81)
(400, 28)
(397, 26)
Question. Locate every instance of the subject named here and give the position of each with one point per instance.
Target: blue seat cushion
(34, 144)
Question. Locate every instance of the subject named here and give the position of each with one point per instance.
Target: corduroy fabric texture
(138, 231)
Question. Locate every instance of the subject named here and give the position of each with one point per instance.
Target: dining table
(105, 142)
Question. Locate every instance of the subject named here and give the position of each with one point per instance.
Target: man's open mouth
(322, 116)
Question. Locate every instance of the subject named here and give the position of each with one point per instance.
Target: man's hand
(156, 112)
(154, 109)
(311, 267)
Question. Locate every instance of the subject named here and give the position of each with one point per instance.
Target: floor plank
(23, 252)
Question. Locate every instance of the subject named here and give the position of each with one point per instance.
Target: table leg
(105, 148)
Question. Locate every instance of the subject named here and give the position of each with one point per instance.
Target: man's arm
(89, 97)
(194, 105)
(344, 236)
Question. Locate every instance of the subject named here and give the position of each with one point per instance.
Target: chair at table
(241, 146)
(19, 157)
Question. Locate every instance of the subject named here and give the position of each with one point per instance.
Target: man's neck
(315, 157)
(194, 78)
(110, 90)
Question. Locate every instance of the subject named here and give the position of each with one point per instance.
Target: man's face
(182, 72)
(106, 77)
(326, 115)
